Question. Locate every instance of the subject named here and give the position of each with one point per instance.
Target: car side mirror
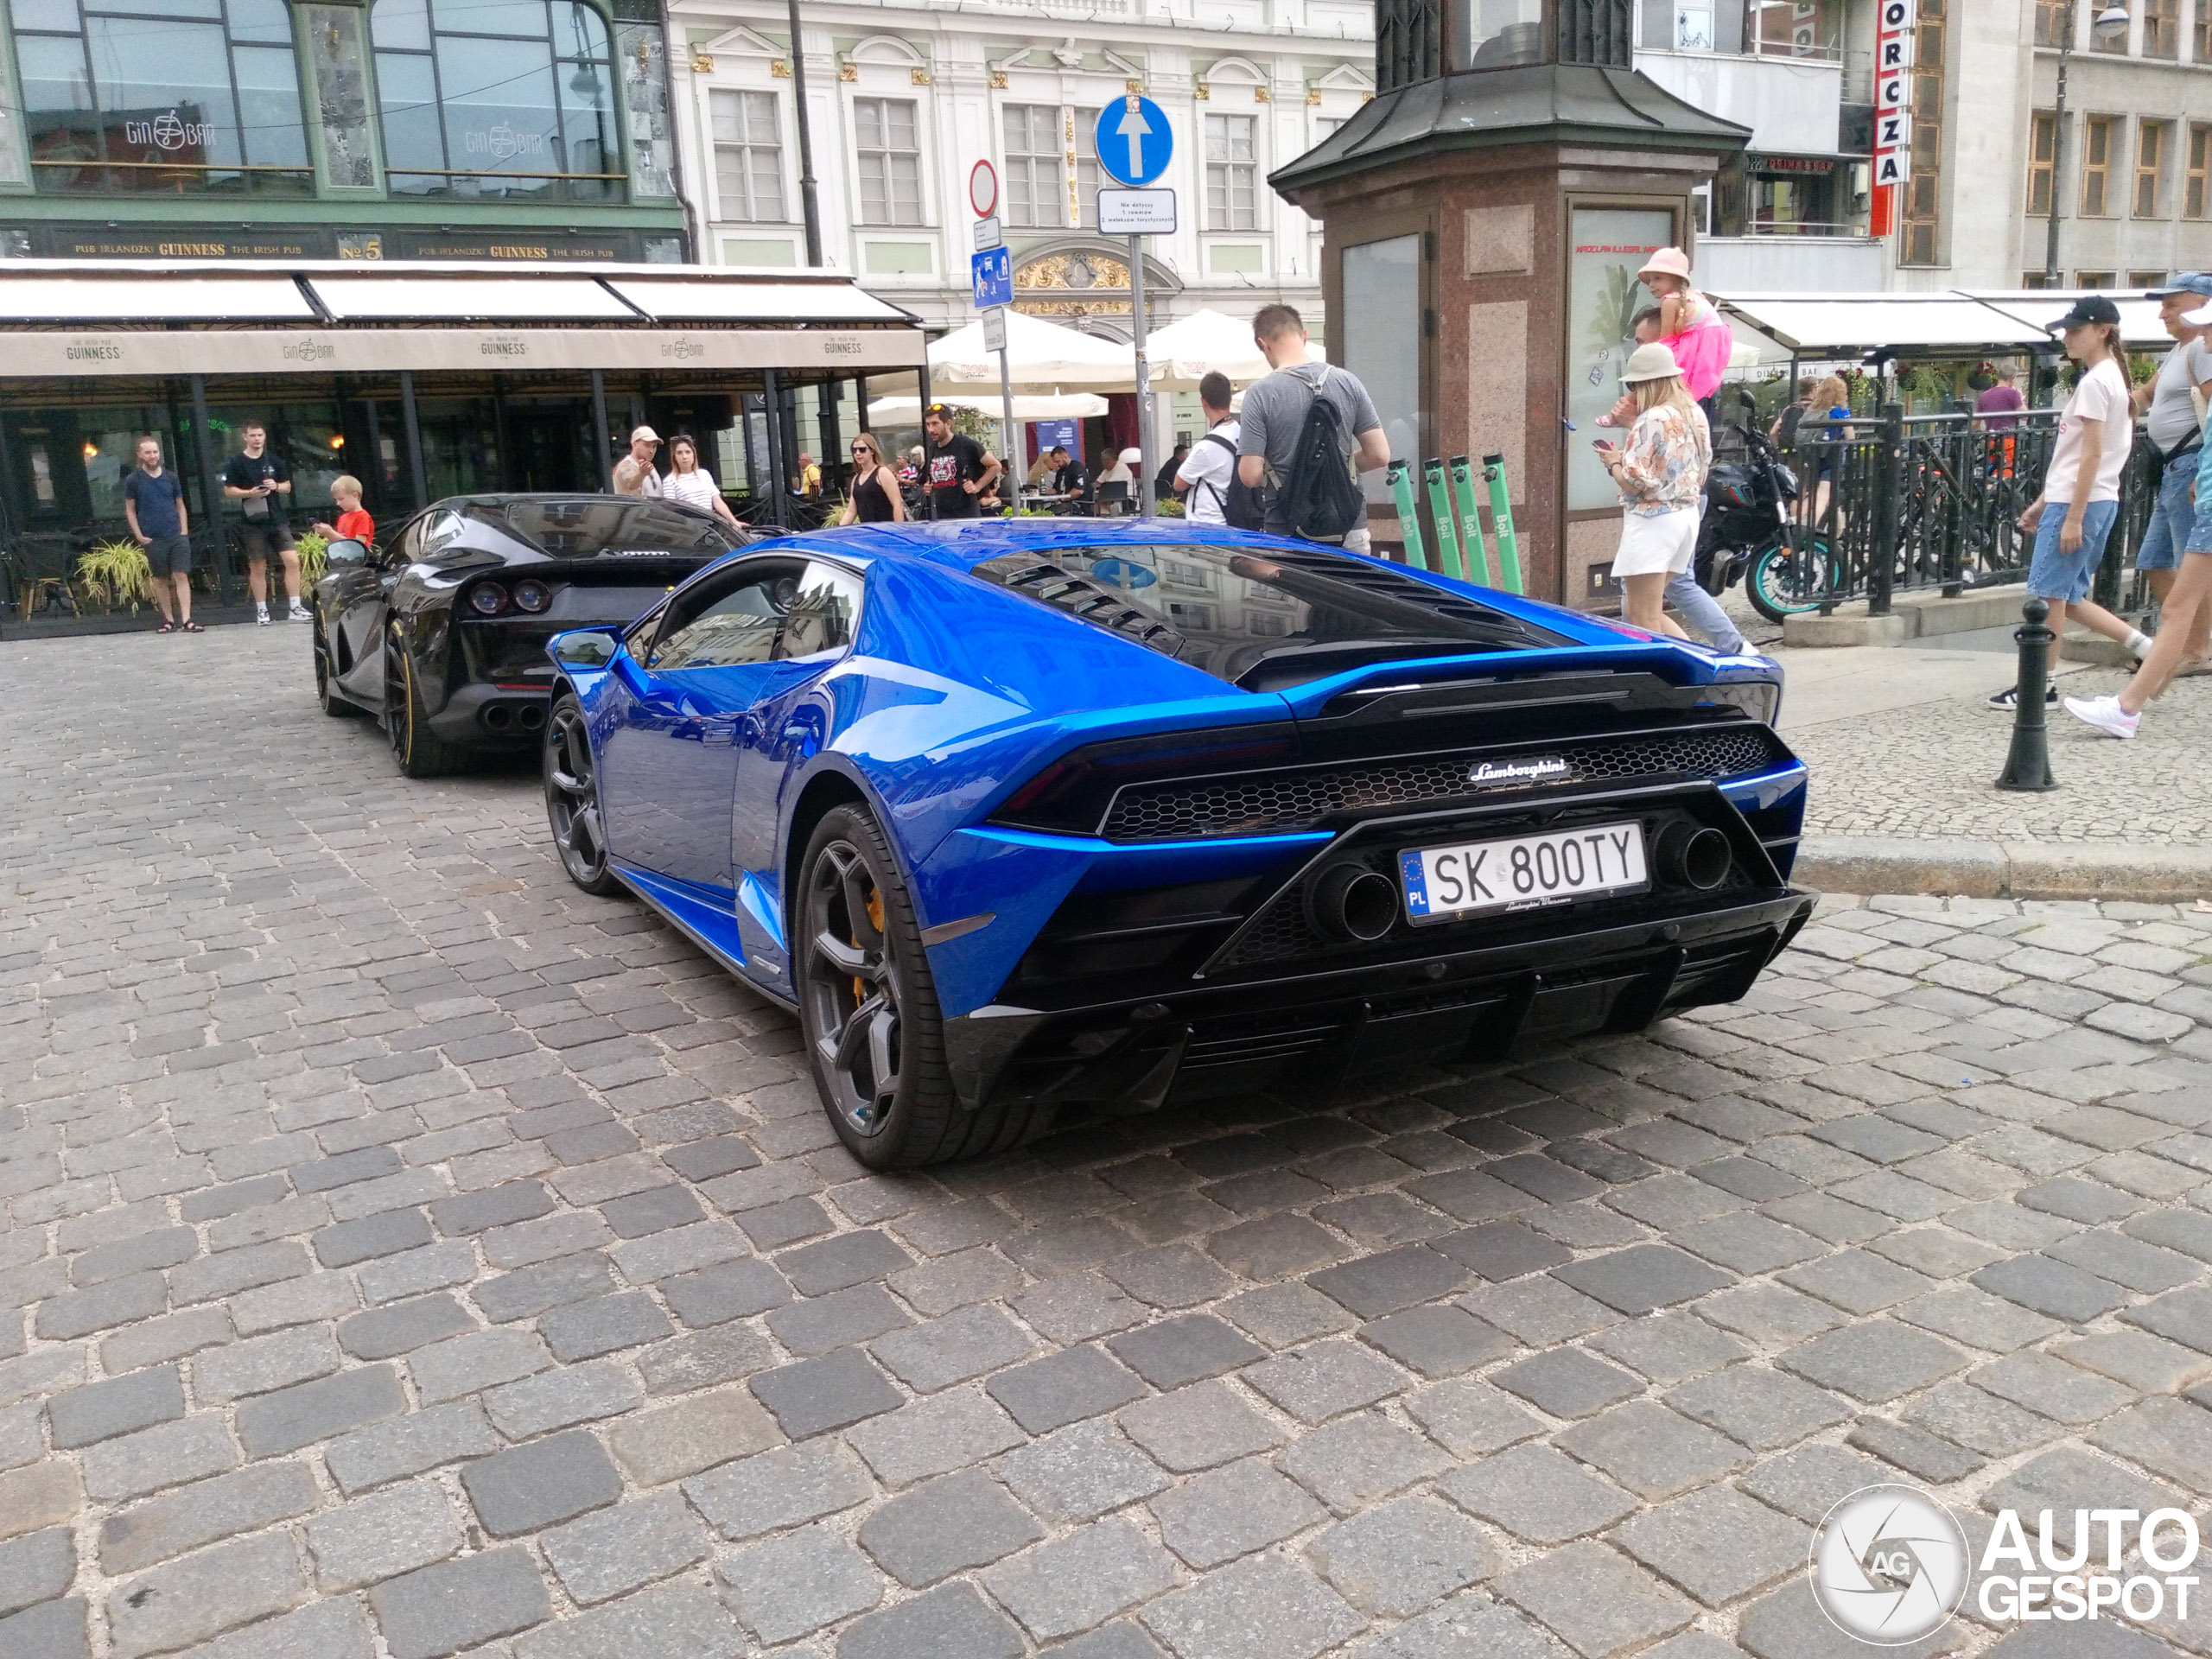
(584, 647)
(346, 549)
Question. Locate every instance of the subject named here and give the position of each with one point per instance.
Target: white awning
(1956, 320)
(1066, 406)
(37, 297)
(679, 301)
(468, 299)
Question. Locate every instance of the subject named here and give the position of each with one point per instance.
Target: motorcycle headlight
(487, 599)
(1760, 699)
(533, 596)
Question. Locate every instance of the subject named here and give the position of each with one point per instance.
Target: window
(2031, 279)
(2203, 51)
(748, 156)
(886, 137)
(2195, 202)
(2162, 28)
(2146, 279)
(1231, 169)
(2096, 165)
(2150, 167)
(2093, 279)
(203, 101)
(777, 610)
(2050, 22)
(1032, 164)
(1083, 168)
(497, 99)
(2042, 154)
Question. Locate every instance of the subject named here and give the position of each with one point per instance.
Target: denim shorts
(2054, 575)
(2171, 515)
(2199, 539)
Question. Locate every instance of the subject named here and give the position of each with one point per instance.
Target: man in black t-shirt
(959, 467)
(262, 485)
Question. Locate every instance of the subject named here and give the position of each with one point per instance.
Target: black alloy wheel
(572, 800)
(868, 1010)
(326, 678)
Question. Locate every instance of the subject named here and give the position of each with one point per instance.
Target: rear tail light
(1071, 795)
(533, 596)
(487, 599)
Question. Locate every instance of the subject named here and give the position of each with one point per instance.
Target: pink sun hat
(1667, 261)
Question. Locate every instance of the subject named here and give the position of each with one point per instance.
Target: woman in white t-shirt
(2073, 517)
(690, 483)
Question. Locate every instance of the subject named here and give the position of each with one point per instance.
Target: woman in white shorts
(1660, 476)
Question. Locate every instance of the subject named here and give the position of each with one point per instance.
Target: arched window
(163, 97)
(497, 98)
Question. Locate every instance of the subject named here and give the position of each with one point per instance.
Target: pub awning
(68, 318)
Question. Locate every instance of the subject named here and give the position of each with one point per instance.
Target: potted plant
(113, 574)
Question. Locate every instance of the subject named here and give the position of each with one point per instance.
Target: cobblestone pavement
(1924, 772)
(405, 1254)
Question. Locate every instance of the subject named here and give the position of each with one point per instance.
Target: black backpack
(1240, 505)
(1319, 499)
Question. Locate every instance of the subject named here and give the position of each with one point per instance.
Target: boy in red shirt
(345, 490)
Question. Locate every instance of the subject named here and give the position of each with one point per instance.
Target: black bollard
(2028, 766)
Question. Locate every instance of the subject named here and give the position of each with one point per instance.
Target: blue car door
(786, 728)
(668, 758)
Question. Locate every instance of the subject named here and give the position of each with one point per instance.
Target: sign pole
(1143, 488)
(1009, 437)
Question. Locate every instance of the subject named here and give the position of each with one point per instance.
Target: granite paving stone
(1595, 1599)
(1078, 1472)
(1537, 1494)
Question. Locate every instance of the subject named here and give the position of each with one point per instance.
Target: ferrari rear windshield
(1262, 618)
(589, 525)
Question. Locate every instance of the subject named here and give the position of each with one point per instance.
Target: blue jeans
(1705, 614)
(2172, 516)
(2054, 575)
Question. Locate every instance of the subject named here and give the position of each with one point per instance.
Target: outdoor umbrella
(1186, 350)
(1041, 358)
(1065, 406)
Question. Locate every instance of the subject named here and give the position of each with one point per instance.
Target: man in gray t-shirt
(1275, 414)
(2172, 425)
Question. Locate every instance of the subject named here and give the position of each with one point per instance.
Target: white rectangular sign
(1892, 131)
(994, 329)
(1137, 213)
(1893, 91)
(1894, 166)
(989, 233)
(1892, 51)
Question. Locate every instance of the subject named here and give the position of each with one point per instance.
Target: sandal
(167, 627)
(190, 627)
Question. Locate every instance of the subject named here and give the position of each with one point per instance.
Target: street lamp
(2109, 24)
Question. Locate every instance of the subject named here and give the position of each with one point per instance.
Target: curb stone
(1989, 869)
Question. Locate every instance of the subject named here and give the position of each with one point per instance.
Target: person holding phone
(1661, 477)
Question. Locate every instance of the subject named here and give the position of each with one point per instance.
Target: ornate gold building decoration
(1079, 284)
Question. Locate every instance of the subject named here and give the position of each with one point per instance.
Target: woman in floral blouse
(1660, 476)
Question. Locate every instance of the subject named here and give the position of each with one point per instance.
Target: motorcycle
(1748, 534)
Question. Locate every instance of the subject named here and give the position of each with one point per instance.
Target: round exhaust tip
(498, 716)
(1350, 901)
(1694, 855)
(532, 718)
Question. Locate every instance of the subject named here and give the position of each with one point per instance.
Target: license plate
(1445, 883)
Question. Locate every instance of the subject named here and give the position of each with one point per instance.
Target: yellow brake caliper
(876, 919)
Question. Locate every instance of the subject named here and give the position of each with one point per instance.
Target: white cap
(2199, 317)
(1134, 456)
(646, 433)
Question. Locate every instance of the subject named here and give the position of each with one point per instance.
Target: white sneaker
(261, 615)
(299, 613)
(2105, 714)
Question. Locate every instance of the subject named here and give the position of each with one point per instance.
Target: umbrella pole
(1007, 437)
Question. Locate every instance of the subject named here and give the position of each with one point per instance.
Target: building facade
(903, 102)
(2131, 174)
(529, 131)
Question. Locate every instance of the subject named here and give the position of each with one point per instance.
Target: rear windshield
(1261, 618)
(589, 525)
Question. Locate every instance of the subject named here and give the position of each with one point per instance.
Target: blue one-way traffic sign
(1134, 141)
(992, 270)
